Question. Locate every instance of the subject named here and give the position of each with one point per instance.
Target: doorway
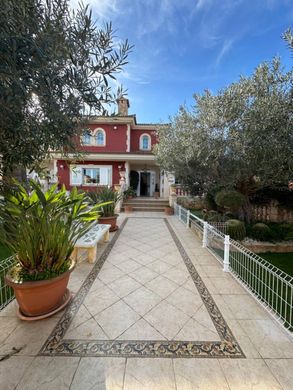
(145, 183)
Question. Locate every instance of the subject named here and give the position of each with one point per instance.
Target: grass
(284, 261)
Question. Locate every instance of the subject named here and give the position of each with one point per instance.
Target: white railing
(272, 287)
(6, 292)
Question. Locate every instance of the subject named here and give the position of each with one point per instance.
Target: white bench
(89, 241)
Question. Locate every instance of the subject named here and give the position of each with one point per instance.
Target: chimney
(123, 105)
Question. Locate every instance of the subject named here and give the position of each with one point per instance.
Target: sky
(182, 47)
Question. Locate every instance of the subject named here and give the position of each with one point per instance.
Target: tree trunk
(247, 209)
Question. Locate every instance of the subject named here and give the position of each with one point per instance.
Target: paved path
(153, 292)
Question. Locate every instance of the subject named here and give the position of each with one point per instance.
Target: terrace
(155, 311)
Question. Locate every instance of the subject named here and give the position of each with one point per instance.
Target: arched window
(86, 138)
(145, 142)
(100, 137)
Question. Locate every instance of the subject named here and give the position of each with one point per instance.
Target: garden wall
(271, 213)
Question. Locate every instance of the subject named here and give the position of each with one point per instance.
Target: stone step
(148, 208)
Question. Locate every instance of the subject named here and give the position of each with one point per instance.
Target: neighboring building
(112, 149)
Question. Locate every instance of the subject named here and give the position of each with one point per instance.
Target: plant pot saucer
(114, 229)
(65, 300)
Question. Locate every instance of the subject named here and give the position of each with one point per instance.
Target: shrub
(108, 197)
(261, 231)
(231, 200)
(195, 203)
(235, 229)
(212, 216)
(209, 201)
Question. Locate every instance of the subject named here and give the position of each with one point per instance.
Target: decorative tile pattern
(226, 347)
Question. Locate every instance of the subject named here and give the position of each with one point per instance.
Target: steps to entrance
(146, 204)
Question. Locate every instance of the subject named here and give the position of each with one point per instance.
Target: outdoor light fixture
(115, 127)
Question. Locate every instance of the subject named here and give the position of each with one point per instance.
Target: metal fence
(272, 287)
(6, 292)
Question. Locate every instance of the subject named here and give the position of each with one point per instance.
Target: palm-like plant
(41, 228)
(106, 195)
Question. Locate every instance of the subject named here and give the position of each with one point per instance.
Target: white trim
(94, 134)
(90, 166)
(141, 142)
(128, 139)
(105, 157)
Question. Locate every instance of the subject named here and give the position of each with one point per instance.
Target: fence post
(179, 213)
(205, 235)
(227, 254)
(187, 219)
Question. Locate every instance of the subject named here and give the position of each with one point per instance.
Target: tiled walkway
(155, 311)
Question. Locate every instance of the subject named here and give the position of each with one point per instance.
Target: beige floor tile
(194, 331)
(202, 374)
(143, 275)
(185, 300)
(248, 374)
(172, 259)
(48, 373)
(117, 257)
(142, 300)
(116, 319)
(161, 286)
(12, 370)
(245, 307)
(149, 374)
(166, 319)
(100, 299)
(88, 330)
(9, 310)
(268, 338)
(227, 286)
(202, 317)
(144, 259)
(110, 274)
(128, 266)
(80, 317)
(7, 326)
(159, 266)
(215, 271)
(177, 275)
(141, 330)
(31, 335)
(99, 374)
(124, 286)
(282, 369)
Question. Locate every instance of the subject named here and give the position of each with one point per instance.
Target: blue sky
(182, 47)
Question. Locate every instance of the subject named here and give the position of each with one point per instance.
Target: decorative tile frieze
(227, 347)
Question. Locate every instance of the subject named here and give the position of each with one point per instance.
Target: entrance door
(145, 181)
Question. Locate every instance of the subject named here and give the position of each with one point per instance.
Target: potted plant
(169, 210)
(41, 228)
(109, 197)
(129, 193)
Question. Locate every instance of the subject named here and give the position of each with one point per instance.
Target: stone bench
(89, 241)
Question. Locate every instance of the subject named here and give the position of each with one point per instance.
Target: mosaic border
(226, 348)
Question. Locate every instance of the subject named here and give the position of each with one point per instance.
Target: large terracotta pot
(40, 297)
(109, 221)
(169, 210)
(128, 209)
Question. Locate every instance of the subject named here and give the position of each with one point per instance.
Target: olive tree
(240, 138)
(55, 67)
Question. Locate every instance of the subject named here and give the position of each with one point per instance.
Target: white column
(127, 174)
(187, 219)
(205, 235)
(227, 254)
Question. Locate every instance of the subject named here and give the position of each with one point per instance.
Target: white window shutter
(76, 176)
(105, 176)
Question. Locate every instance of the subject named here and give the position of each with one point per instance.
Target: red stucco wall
(115, 139)
(64, 173)
(135, 135)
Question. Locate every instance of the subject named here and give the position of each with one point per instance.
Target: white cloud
(226, 47)
(102, 8)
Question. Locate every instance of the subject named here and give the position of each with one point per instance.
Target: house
(114, 150)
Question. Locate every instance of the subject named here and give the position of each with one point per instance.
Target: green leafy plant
(261, 231)
(129, 192)
(231, 200)
(108, 197)
(41, 228)
(235, 229)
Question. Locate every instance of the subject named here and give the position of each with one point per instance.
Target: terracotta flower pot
(156, 195)
(169, 211)
(40, 297)
(109, 221)
(128, 209)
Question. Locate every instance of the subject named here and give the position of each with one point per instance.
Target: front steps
(146, 204)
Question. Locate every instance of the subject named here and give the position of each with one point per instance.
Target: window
(145, 142)
(91, 176)
(86, 175)
(100, 137)
(86, 138)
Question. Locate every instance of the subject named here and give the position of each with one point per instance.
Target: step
(145, 204)
(156, 209)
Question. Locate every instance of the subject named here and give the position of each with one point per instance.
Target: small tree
(55, 70)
